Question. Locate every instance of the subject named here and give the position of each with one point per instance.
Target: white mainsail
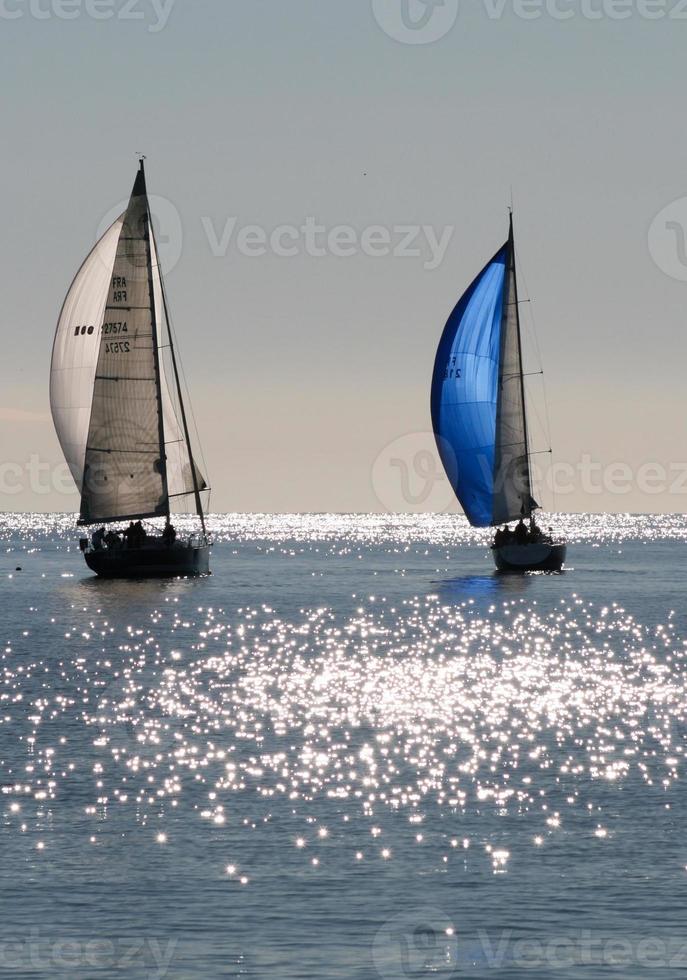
(124, 471)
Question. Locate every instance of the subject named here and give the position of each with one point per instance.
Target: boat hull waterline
(532, 557)
(151, 561)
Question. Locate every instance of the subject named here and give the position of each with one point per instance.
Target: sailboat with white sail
(479, 416)
(118, 406)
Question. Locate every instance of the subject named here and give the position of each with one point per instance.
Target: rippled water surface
(353, 751)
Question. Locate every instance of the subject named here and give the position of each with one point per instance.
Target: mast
(140, 189)
(182, 408)
(511, 244)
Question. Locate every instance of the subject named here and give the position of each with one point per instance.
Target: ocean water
(353, 751)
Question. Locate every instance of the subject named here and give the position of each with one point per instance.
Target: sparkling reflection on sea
(353, 751)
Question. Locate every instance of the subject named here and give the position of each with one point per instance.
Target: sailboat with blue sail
(479, 416)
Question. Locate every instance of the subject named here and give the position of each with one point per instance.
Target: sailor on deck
(521, 534)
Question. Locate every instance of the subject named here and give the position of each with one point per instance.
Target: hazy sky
(310, 373)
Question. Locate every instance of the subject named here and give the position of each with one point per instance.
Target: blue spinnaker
(465, 390)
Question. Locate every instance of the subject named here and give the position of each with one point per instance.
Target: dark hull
(150, 561)
(529, 557)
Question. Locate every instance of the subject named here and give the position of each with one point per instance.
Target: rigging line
(121, 377)
(181, 374)
(125, 309)
(535, 408)
(532, 333)
(194, 472)
(180, 377)
(532, 336)
(535, 452)
(147, 225)
(530, 325)
(525, 374)
(187, 493)
(116, 519)
(541, 425)
(512, 265)
(174, 345)
(123, 452)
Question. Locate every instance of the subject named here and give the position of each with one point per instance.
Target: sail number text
(109, 330)
(119, 289)
(452, 371)
(114, 329)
